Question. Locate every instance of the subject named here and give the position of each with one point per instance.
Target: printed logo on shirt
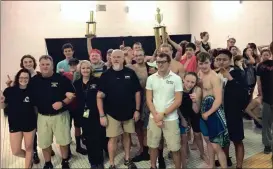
(93, 86)
(127, 77)
(26, 100)
(54, 84)
(169, 82)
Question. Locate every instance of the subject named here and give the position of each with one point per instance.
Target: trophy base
(93, 22)
(90, 36)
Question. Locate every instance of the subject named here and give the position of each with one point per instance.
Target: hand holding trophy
(91, 26)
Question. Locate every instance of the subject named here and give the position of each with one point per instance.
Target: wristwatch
(63, 103)
(137, 110)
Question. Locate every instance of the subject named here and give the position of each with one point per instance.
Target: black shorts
(235, 127)
(77, 118)
(194, 120)
(25, 128)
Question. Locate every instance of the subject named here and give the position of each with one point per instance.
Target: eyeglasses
(161, 62)
(189, 49)
(23, 78)
(220, 59)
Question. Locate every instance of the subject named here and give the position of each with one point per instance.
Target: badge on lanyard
(86, 113)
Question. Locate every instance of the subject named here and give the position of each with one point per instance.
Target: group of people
(200, 90)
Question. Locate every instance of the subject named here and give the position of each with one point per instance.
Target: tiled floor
(253, 145)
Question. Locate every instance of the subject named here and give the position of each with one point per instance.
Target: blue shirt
(63, 65)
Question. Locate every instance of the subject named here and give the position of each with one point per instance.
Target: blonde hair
(85, 62)
(166, 45)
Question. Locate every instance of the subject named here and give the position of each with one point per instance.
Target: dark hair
(237, 58)
(66, 46)
(202, 34)
(252, 46)
(244, 53)
(17, 76)
(232, 47)
(191, 45)
(193, 74)
(214, 53)
(225, 52)
(164, 55)
(271, 47)
(203, 56)
(73, 61)
(265, 50)
(30, 57)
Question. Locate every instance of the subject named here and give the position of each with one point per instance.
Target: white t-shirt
(164, 92)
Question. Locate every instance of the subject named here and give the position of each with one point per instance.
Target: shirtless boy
(175, 66)
(141, 70)
(213, 123)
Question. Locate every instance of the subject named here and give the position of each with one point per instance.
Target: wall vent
(100, 8)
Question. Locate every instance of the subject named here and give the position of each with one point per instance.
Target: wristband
(102, 116)
(63, 103)
(137, 110)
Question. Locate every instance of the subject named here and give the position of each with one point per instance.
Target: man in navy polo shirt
(118, 103)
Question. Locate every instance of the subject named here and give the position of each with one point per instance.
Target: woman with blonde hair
(86, 96)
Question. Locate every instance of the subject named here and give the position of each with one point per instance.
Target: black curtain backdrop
(54, 46)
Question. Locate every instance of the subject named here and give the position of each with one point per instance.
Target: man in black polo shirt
(49, 90)
(118, 103)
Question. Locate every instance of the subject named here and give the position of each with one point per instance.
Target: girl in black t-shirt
(22, 117)
(28, 62)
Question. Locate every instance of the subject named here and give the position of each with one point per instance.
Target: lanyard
(85, 92)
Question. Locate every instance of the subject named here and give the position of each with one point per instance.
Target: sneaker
(65, 164)
(267, 150)
(36, 159)
(100, 166)
(229, 162)
(161, 163)
(130, 164)
(48, 165)
(112, 167)
(141, 157)
(81, 150)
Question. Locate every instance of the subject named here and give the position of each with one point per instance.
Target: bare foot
(205, 158)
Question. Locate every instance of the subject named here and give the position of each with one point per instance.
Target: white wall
(250, 21)
(25, 24)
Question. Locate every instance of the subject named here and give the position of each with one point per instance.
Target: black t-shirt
(206, 46)
(21, 109)
(86, 95)
(46, 91)
(119, 88)
(265, 72)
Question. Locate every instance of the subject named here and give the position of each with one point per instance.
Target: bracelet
(102, 116)
(137, 110)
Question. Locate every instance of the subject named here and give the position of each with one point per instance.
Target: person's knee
(237, 143)
(17, 152)
(176, 153)
(29, 147)
(197, 136)
(113, 140)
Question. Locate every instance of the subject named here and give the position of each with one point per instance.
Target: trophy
(91, 26)
(159, 29)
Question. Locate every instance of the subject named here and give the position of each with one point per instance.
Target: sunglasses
(161, 62)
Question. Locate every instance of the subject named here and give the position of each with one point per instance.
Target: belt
(44, 114)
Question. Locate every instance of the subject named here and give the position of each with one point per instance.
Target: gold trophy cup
(159, 30)
(91, 26)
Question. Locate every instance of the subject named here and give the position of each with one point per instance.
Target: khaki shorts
(116, 128)
(49, 126)
(171, 133)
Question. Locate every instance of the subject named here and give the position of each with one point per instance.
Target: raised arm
(89, 44)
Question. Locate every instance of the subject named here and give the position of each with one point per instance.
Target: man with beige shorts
(49, 92)
(164, 96)
(118, 103)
